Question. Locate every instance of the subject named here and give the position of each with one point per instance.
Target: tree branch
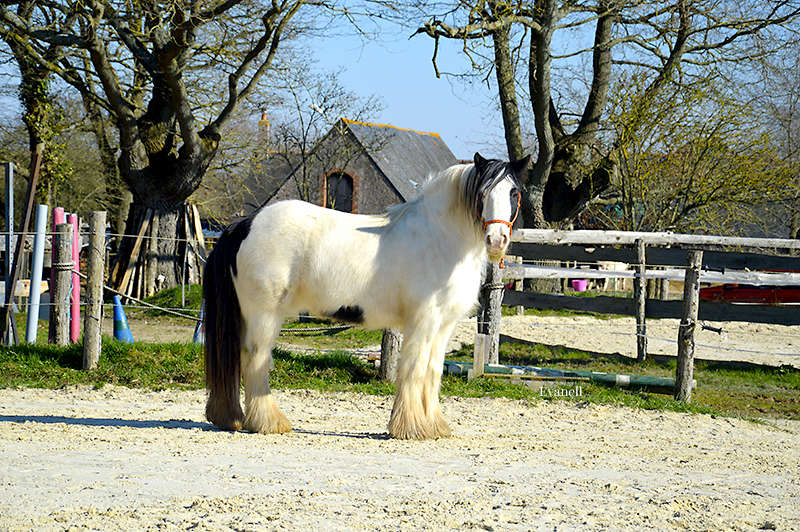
(272, 36)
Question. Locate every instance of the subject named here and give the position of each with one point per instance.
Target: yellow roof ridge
(370, 124)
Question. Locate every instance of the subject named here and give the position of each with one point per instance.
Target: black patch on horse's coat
(349, 314)
(235, 235)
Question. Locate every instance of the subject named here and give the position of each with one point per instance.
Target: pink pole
(58, 218)
(75, 300)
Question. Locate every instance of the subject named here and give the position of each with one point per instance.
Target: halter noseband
(510, 224)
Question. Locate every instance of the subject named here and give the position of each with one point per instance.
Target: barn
(364, 168)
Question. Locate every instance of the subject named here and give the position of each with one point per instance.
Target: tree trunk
(506, 79)
(40, 119)
(161, 177)
(118, 196)
(166, 267)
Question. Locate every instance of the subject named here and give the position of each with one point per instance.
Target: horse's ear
(519, 168)
(480, 162)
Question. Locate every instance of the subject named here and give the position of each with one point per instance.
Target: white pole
(31, 327)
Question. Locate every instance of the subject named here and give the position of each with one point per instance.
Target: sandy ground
(121, 459)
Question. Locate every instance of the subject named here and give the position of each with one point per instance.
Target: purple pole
(75, 298)
(58, 218)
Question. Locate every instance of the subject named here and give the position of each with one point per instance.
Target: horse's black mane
(484, 175)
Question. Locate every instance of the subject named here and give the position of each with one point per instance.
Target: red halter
(509, 224)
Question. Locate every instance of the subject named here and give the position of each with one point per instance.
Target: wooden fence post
(479, 356)
(519, 286)
(491, 306)
(62, 243)
(640, 298)
(151, 264)
(8, 337)
(93, 320)
(390, 353)
(691, 299)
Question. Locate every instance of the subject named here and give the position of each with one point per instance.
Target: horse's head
(499, 188)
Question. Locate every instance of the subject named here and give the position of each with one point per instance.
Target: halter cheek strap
(509, 224)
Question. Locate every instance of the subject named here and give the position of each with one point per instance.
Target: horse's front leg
(409, 420)
(433, 381)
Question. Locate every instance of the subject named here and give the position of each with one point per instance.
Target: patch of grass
(334, 371)
(737, 389)
(328, 339)
(508, 310)
(152, 366)
(724, 388)
(171, 298)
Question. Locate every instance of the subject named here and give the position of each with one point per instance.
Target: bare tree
(314, 106)
(306, 105)
(670, 41)
(779, 98)
(40, 111)
(145, 64)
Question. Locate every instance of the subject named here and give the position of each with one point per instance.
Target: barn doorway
(340, 192)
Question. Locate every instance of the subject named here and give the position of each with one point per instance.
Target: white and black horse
(416, 269)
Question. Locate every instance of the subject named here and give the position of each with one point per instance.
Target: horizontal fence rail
(712, 260)
(527, 271)
(595, 237)
(656, 308)
(752, 261)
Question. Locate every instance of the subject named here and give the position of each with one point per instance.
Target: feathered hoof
(440, 426)
(266, 418)
(405, 427)
(278, 426)
(224, 416)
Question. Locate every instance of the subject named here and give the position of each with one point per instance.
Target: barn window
(340, 192)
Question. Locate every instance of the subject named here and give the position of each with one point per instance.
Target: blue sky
(399, 71)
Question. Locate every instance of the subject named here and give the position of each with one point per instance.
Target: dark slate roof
(404, 156)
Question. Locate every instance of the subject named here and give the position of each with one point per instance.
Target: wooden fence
(718, 259)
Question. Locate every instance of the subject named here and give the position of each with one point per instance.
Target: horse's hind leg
(261, 413)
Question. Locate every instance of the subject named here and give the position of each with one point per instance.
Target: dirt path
(121, 459)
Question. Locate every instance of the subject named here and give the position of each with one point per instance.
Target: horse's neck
(445, 214)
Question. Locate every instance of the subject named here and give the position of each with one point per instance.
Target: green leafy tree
(690, 161)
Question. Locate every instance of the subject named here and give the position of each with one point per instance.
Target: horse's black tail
(223, 329)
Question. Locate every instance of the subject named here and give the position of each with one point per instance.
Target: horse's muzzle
(496, 245)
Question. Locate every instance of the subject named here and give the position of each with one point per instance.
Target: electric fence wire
(179, 313)
(49, 234)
